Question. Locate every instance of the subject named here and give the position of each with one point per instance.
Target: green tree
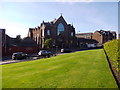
(48, 43)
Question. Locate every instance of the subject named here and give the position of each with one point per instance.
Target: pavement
(8, 60)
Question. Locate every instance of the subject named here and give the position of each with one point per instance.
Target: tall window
(48, 32)
(43, 33)
(60, 28)
(72, 33)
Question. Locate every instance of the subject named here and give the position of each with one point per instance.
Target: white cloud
(14, 28)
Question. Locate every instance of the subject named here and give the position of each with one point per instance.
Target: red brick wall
(13, 49)
(97, 36)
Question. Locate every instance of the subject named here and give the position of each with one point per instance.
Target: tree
(48, 43)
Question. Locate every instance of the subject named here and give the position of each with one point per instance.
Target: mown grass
(84, 69)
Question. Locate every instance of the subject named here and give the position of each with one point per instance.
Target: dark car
(45, 53)
(19, 55)
(65, 50)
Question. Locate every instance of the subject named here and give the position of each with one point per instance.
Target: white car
(44, 53)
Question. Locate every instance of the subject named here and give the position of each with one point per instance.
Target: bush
(112, 49)
(48, 43)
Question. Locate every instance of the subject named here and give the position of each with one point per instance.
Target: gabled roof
(83, 33)
(27, 41)
(50, 23)
(55, 20)
(102, 32)
(30, 29)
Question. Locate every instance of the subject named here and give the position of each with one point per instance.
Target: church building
(62, 34)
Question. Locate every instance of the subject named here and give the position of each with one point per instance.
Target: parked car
(19, 55)
(44, 53)
(65, 50)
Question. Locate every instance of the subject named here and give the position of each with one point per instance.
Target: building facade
(62, 34)
(2, 42)
(103, 36)
(26, 45)
(2, 37)
(84, 35)
(9, 45)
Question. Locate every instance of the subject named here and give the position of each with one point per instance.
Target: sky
(18, 17)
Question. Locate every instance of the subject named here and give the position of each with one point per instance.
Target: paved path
(23, 60)
(16, 61)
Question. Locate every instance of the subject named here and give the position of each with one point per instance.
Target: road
(34, 57)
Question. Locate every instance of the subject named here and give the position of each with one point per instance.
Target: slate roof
(83, 33)
(83, 40)
(102, 32)
(27, 41)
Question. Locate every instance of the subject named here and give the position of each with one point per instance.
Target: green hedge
(112, 49)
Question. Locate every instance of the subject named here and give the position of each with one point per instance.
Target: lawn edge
(112, 70)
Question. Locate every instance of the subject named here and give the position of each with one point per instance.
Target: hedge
(112, 49)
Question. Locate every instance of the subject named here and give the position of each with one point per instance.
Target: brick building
(2, 37)
(62, 34)
(2, 41)
(98, 37)
(9, 45)
(26, 45)
(84, 35)
(84, 40)
(103, 36)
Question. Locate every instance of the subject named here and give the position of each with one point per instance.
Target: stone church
(62, 34)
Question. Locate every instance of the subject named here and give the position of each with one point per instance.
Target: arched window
(48, 32)
(60, 28)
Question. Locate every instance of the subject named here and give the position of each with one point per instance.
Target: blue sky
(18, 17)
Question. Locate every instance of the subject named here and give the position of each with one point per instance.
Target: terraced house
(104, 36)
(62, 34)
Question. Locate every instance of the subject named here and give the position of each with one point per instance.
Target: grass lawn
(84, 69)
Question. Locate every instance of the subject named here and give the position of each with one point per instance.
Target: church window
(60, 28)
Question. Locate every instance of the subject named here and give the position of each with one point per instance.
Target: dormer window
(60, 28)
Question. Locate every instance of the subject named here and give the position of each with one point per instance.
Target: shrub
(48, 43)
(112, 49)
